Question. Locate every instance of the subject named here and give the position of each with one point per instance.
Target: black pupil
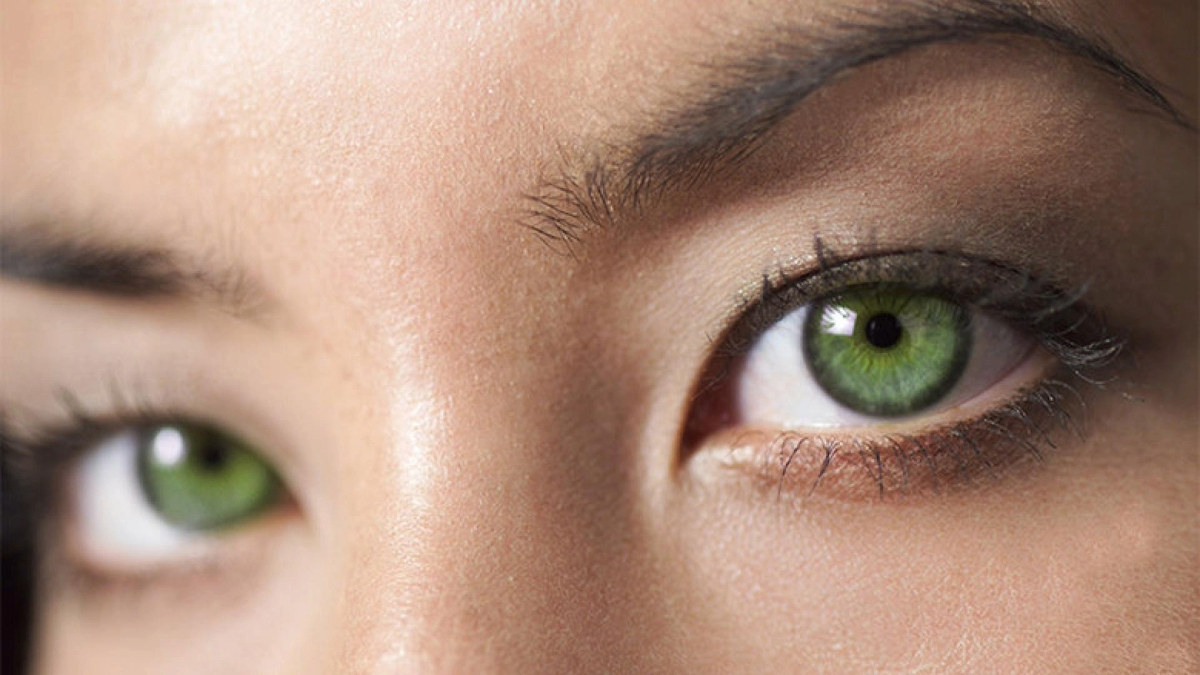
(211, 456)
(883, 330)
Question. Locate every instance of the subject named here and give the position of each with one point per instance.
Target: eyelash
(1021, 427)
(35, 459)
(944, 459)
(1071, 330)
(951, 455)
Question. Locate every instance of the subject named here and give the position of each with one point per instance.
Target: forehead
(258, 117)
(330, 78)
(350, 82)
(238, 125)
(258, 90)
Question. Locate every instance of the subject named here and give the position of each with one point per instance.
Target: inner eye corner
(708, 403)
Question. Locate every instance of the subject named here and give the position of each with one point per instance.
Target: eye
(908, 371)
(145, 494)
(872, 353)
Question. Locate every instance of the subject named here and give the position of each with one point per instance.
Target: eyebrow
(752, 94)
(127, 271)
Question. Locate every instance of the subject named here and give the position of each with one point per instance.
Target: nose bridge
(504, 536)
(505, 564)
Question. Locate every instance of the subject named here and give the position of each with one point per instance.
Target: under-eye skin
(906, 372)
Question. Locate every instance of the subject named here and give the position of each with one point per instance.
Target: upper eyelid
(38, 454)
(45, 441)
(43, 457)
(1061, 320)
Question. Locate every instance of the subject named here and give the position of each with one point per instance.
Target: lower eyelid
(233, 565)
(1013, 435)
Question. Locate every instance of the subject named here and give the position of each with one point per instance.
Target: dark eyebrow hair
(751, 95)
(126, 271)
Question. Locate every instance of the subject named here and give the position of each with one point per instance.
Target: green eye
(198, 478)
(886, 350)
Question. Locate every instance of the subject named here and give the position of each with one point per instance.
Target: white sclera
(116, 522)
(777, 389)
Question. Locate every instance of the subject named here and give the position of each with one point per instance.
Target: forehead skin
(490, 424)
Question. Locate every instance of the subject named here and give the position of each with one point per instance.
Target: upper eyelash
(1060, 320)
(34, 459)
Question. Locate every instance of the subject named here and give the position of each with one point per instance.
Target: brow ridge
(749, 96)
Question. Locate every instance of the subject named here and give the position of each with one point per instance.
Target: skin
(481, 433)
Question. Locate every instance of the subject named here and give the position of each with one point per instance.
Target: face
(623, 337)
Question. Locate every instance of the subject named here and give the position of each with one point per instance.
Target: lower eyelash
(946, 459)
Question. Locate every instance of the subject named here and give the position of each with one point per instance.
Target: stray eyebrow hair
(751, 95)
(126, 271)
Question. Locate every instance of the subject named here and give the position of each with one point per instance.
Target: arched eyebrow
(87, 265)
(752, 92)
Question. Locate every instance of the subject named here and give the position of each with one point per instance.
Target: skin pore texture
(479, 426)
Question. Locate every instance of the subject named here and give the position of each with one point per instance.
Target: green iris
(886, 350)
(198, 478)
